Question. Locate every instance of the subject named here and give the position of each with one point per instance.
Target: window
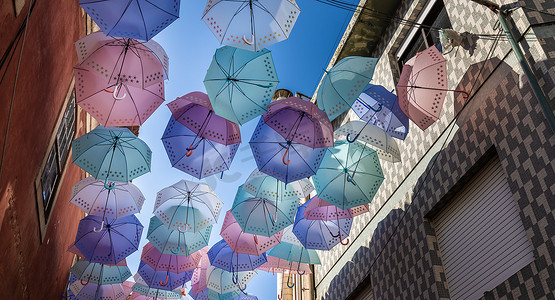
(53, 167)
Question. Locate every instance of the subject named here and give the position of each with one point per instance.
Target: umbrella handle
(353, 140)
(175, 252)
(164, 284)
(290, 286)
(351, 180)
(465, 96)
(255, 239)
(284, 155)
(280, 295)
(273, 223)
(88, 280)
(189, 152)
(247, 41)
(299, 269)
(115, 92)
(242, 289)
(101, 227)
(341, 240)
(182, 231)
(183, 292)
(109, 187)
(234, 276)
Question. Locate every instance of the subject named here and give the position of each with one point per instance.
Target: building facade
(469, 213)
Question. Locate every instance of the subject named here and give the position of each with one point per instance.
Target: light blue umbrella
(240, 83)
(349, 176)
(112, 153)
(263, 186)
(170, 241)
(154, 293)
(208, 294)
(99, 273)
(343, 83)
(223, 282)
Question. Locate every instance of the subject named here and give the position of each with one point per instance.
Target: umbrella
(251, 25)
(88, 272)
(127, 286)
(380, 107)
(373, 136)
(210, 158)
(349, 176)
(208, 294)
(300, 121)
(110, 243)
(343, 83)
(319, 209)
(139, 19)
(112, 154)
(69, 293)
(93, 198)
(284, 160)
(263, 186)
(320, 235)
(223, 257)
(170, 241)
(223, 282)
(164, 280)
(144, 292)
(198, 282)
(95, 291)
(187, 205)
(167, 262)
(422, 87)
(261, 216)
(243, 296)
(279, 265)
(246, 243)
(240, 83)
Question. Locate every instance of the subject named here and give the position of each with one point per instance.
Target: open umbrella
(319, 209)
(279, 265)
(208, 294)
(343, 83)
(251, 24)
(349, 176)
(198, 282)
(139, 19)
(240, 83)
(223, 257)
(144, 292)
(380, 107)
(109, 243)
(187, 205)
(177, 242)
(223, 282)
(168, 262)
(96, 291)
(164, 280)
(263, 186)
(88, 272)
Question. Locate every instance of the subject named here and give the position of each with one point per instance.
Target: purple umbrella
(111, 243)
(163, 280)
(221, 256)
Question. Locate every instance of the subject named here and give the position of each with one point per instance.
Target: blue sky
(299, 63)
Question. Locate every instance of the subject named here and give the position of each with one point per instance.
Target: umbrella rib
(241, 7)
(261, 6)
(120, 17)
(144, 22)
(169, 13)
(134, 104)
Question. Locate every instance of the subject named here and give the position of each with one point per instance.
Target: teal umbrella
(170, 241)
(99, 273)
(349, 176)
(343, 83)
(112, 154)
(240, 83)
(261, 185)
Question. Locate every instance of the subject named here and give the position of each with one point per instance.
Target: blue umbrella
(240, 83)
(138, 19)
(170, 241)
(163, 280)
(221, 256)
(208, 294)
(98, 273)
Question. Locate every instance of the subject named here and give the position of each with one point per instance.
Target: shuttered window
(480, 235)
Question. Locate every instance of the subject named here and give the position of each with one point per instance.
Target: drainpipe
(503, 16)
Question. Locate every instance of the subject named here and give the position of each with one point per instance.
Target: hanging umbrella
(170, 241)
(108, 243)
(111, 154)
(279, 265)
(320, 235)
(198, 282)
(164, 280)
(88, 272)
(349, 176)
(319, 209)
(93, 198)
(69, 294)
(221, 256)
(95, 291)
(167, 262)
(208, 294)
(223, 282)
(139, 19)
(244, 296)
(263, 186)
(374, 137)
(246, 243)
(240, 83)
(380, 107)
(127, 286)
(261, 216)
(283, 159)
(144, 292)
(251, 24)
(187, 205)
(343, 83)
(422, 87)
(209, 158)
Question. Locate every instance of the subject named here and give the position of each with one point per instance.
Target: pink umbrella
(278, 265)
(319, 209)
(114, 104)
(166, 262)
(422, 87)
(198, 282)
(127, 287)
(246, 243)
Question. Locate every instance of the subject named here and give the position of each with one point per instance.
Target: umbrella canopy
(373, 136)
(243, 296)
(240, 83)
(251, 25)
(144, 292)
(93, 198)
(223, 257)
(279, 265)
(138, 19)
(95, 291)
(300, 121)
(319, 209)
(223, 282)
(187, 205)
(208, 294)
(283, 159)
(263, 186)
(343, 83)
(170, 241)
(350, 175)
(108, 243)
(112, 154)
(198, 282)
(320, 235)
(164, 280)
(207, 157)
(422, 87)
(97, 273)
(69, 293)
(167, 262)
(261, 216)
(246, 243)
(380, 107)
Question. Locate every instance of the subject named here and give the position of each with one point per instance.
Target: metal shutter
(480, 234)
(365, 294)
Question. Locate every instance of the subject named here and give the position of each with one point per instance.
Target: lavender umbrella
(164, 280)
(111, 243)
(320, 209)
(223, 257)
